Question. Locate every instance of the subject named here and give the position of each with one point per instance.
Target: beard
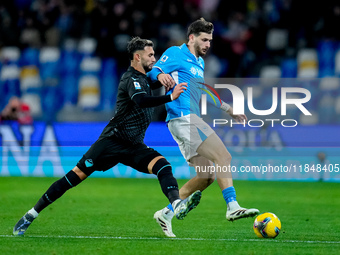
(200, 51)
(147, 67)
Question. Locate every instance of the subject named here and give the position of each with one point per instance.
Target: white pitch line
(179, 239)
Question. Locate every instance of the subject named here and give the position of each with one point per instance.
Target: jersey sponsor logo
(193, 70)
(137, 85)
(189, 60)
(164, 58)
(89, 162)
(196, 71)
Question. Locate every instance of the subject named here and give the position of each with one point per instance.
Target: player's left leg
(55, 191)
(200, 182)
(95, 158)
(162, 169)
(203, 179)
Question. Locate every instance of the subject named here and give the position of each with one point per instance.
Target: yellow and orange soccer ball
(267, 225)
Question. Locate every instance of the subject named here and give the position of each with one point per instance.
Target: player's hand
(179, 89)
(166, 80)
(240, 118)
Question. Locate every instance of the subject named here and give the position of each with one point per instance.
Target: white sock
(175, 203)
(33, 213)
(233, 206)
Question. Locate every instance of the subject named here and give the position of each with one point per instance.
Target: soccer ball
(267, 225)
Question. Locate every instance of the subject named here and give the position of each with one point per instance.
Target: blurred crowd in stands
(86, 39)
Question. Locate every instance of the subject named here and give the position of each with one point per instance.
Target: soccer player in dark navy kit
(122, 139)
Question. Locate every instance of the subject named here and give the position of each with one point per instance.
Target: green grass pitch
(115, 216)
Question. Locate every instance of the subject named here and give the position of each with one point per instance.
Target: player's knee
(72, 178)
(222, 155)
(162, 167)
(210, 180)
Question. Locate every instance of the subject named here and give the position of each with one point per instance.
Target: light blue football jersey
(183, 66)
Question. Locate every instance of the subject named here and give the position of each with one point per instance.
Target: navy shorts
(108, 151)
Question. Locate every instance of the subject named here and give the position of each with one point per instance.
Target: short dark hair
(136, 44)
(200, 26)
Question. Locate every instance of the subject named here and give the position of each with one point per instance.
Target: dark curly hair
(136, 44)
(200, 26)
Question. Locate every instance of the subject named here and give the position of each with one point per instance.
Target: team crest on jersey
(164, 58)
(137, 85)
(89, 162)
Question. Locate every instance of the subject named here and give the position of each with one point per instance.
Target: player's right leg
(214, 149)
(55, 191)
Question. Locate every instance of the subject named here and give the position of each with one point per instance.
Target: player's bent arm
(155, 71)
(144, 101)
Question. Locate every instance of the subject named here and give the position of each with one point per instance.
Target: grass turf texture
(115, 216)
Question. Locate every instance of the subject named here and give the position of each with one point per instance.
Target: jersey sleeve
(166, 64)
(134, 87)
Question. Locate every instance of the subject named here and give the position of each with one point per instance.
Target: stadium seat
(330, 84)
(108, 84)
(307, 60)
(34, 102)
(213, 66)
(29, 56)
(277, 39)
(326, 52)
(89, 92)
(270, 75)
(337, 108)
(69, 71)
(89, 83)
(69, 60)
(87, 47)
(326, 109)
(10, 55)
(337, 63)
(309, 119)
(289, 68)
(90, 65)
(49, 63)
(9, 83)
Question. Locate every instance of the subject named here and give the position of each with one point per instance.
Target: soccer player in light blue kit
(198, 142)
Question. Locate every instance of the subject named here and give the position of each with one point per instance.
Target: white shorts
(189, 132)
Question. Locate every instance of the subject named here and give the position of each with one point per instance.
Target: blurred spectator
(330, 21)
(30, 35)
(16, 110)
